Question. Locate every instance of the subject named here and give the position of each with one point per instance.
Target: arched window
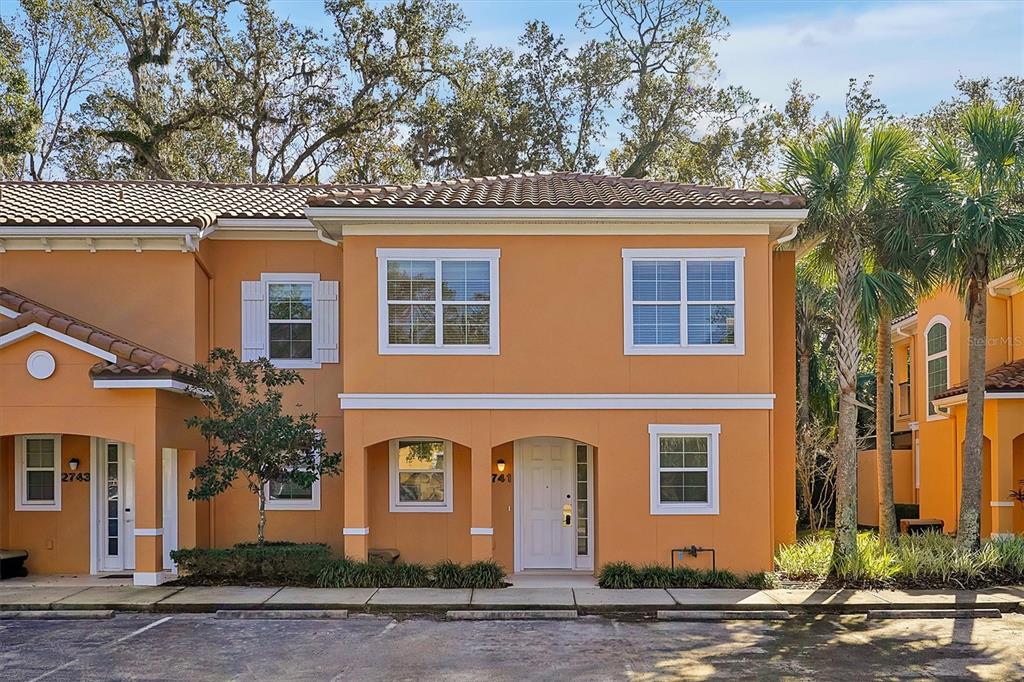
(937, 359)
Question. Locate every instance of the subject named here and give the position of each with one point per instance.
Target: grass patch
(926, 560)
(620, 575)
(444, 575)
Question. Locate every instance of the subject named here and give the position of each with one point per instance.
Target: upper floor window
(683, 301)
(37, 471)
(290, 318)
(937, 359)
(684, 468)
(438, 301)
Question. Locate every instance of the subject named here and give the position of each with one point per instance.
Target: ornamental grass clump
(926, 560)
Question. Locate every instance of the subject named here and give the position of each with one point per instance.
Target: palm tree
(894, 272)
(840, 174)
(968, 190)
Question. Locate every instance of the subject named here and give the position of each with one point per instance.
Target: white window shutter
(254, 320)
(326, 326)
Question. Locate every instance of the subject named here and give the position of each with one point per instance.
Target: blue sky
(916, 50)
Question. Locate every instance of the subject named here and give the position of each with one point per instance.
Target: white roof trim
(36, 328)
(172, 385)
(951, 400)
(7, 312)
(557, 401)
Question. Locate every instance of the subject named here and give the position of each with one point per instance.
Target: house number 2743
(74, 476)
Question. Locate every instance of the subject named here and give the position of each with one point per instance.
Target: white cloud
(915, 50)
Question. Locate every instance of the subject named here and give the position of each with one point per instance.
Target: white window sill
(684, 350)
(438, 350)
(295, 364)
(684, 510)
(40, 507)
(295, 505)
(420, 508)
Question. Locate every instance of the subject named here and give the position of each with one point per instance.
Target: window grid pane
(582, 476)
(464, 297)
(290, 490)
(937, 339)
(683, 469)
(937, 370)
(421, 471)
(290, 301)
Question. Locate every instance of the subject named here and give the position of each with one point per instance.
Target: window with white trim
(438, 301)
(683, 301)
(421, 475)
(286, 494)
(684, 468)
(290, 320)
(936, 360)
(37, 473)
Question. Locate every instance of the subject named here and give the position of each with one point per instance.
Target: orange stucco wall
(867, 483)
(940, 438)
(783, 466)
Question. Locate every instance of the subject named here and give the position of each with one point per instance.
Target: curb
(282, 614)
(906, 614)
(513, 614)
(706, 615)
(58, 614)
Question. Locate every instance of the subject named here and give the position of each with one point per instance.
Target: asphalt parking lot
(202, 647)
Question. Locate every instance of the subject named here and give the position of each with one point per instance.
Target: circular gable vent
(41, 364)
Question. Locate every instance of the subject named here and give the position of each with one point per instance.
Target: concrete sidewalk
(434, 601)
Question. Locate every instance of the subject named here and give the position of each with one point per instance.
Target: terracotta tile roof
(155, 203)
(1003, 379)
(133, 360)
(552, 190)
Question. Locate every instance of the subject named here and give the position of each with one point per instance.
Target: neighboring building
(930, 410)
(552, 370)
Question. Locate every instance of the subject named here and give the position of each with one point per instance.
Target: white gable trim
(36, 328)
(172, 385)
(7, 312)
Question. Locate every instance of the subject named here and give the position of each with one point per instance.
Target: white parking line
(70, 663)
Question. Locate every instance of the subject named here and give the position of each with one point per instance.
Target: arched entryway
(553, 504)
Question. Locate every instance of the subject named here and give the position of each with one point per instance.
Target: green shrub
(655, 575)
(762, 580)
(484, 575)
(618, 575)
(445, 575)
(277, 563)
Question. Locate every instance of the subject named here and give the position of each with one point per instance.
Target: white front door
(546, 486)
(116, 488)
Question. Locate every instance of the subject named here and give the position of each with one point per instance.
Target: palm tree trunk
(847, 360)
(968, 533)
(883, 441)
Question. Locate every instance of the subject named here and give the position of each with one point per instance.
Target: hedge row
(444, 574)
(625, 576)
(275, 563)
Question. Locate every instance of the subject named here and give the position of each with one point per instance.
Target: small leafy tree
(249, 433)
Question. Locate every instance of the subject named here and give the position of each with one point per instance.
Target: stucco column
(149, 517)
(481, 525)
(357, 494)
(1002, 473)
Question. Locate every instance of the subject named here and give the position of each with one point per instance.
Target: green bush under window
(275, 563)
(625, 576)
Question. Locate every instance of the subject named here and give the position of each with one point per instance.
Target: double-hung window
(37, 482)
(936, 360)
(290, 316)
(684, 468)
(421, 475)
(683, 301)
(291, 319)
(438, 301)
